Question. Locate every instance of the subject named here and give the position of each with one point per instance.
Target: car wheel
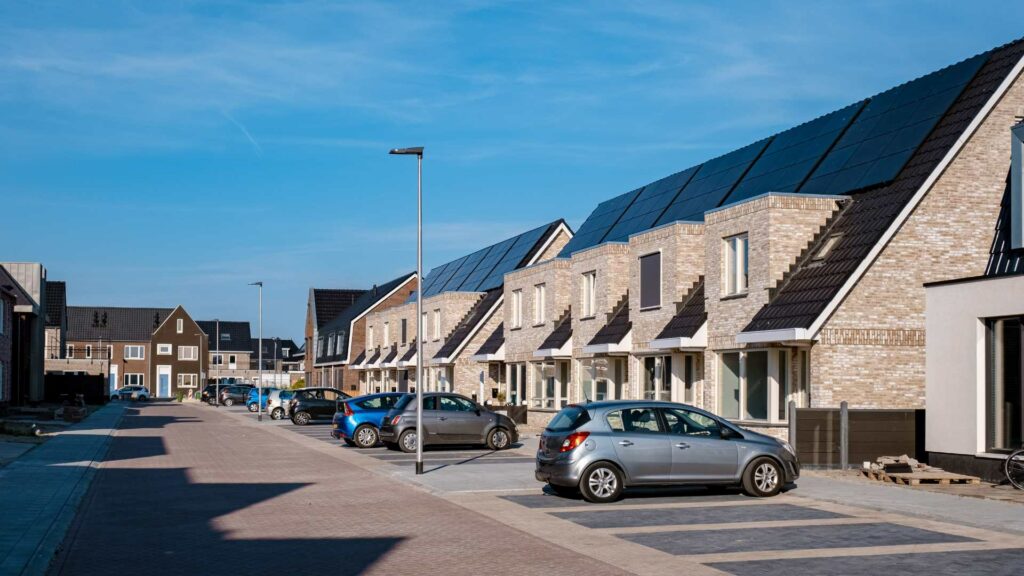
(762, 478)
(391, 446)
(300, 418)
(601, 483)
(566, 491)
(228, 402)
(498, 439)
(277, 414)
(349, 442)
(407, 441)
(252, 407)
(366, 436)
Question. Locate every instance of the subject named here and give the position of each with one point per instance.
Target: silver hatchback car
(600, 448)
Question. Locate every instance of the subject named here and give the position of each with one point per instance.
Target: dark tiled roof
(561, 334)
(114, 323)
(1003, 260)
(494, 342)
(56, 303)
(10, 285)
(392, 353)
(331, 302)
(617, 327)
(410, 353)
(374, 356)
(339, 327)
(234, 336)
(361, 358)
(811, 285)
(691, 315)
(469, 322)
(269, 348)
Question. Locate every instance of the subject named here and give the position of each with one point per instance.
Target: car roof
(610, 404)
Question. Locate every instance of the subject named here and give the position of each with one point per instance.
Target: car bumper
(791, 470)
(558, 472)
(388, 434)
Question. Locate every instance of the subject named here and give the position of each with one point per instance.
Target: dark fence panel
(872, 433)
(817, 437)
(92, 386)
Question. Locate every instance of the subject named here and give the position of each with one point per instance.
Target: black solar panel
(430, 279)
(483, 270)
(711, 184)
(467, 268)
(792, 155)
(649, 205)
(596, 226)
(889, 130)
(512, 259)
(442, 280)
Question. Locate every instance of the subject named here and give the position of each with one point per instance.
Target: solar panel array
(862, 145)
(484, 269)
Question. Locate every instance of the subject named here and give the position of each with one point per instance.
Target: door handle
(682, 445)
(625, 443)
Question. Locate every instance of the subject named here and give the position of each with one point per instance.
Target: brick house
(322, 306)
(180, 356)
(230, 351)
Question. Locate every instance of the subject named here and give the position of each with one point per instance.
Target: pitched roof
(691, 315)
(360, 358)
(1004, 260)
(470, 323)
(494, 342)
(410, 353)
(56, 303)
(391, 354)
(330, 302)
(235, 336)
(11, 286)
(617, 327)
(812, 284)
(113, 323)
(340, 326)
(560, 335)
(273, 348)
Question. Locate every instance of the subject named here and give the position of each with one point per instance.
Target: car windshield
(569, 418)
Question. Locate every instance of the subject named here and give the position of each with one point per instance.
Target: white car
(130, 393)
(277, 406)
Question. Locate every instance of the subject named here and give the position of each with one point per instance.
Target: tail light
(573, 441)
(348, 410)
(396, 420)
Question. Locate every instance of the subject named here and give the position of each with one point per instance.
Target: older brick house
(231, 346)
(322, 306)
(180, 356)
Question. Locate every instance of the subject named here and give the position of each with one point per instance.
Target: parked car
(278, 403)
(234, 394)
(209, 394)
(130, 393)
(447, 419)
(310, 404)
(601, 448)
(250, 402)
(358, 420)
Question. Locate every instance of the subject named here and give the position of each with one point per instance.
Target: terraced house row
(790, 269)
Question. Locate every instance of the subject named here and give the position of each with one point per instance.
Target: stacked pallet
(909, 472)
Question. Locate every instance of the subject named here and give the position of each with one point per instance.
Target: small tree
(300, 383)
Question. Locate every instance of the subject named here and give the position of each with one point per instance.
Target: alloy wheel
(602, 482)
(409, 441)
(766, 477)
(366, 437)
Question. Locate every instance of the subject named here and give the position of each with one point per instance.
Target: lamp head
(415, 151)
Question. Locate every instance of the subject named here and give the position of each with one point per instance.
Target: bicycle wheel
(1014, 468)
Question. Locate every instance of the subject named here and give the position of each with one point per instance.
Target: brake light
(396, 420)
(348, 410)
(573, 441)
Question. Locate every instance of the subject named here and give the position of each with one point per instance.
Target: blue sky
(163, 153)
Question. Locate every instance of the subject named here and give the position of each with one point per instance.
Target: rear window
(378, 403)
(569, 418)
(404, 401)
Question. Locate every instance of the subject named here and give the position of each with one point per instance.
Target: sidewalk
(41, 491)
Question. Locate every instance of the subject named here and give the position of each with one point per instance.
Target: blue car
(358, 420)
(251, 401)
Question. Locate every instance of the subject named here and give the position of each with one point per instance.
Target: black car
(210, 392)
(314, 404)
(447, 419)
(235, 394)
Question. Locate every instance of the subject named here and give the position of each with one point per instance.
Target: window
(71, 350)
(456, 404)
(188, 352)
(134, 352)
(319, 345)
(827, 247)
(603, 378)
(88, 351)
(1003, 385)
(378, 403)
(735, 273)
(589, 294)
(689, 379)
(755, 385)
(225, 337)
(134, 379)
(729, 389)
(330, 345)
(539, 303)
(756, 392)
(423, 326)
(217, 360)
(437, 324)
(517, 384)
(690, 423)
(232, 360)
(517, 308)
(545, 385)
(636, 420)
(658, 378)
(180, 325)
(110, 352)
(650, 281)
(187, 381)
(405, 337)
(164, 349)
(387, 333)
(369, 337)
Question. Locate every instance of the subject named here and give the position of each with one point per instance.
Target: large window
(187, 380)
(387, 334)
(545, 385)
(729, 389)
(603, 378)
(757, 384)
(517, 308)
(539, 303)
(405, 335)
(588, 292)
(134, 379)
(134, 352)
(735, 269)
(163, 349)
(188, 352)
(658, 378)
(650, 281)
(437, 324)
(517, 384)
(1004, 391)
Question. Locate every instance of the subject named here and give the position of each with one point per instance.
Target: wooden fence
(840, 437)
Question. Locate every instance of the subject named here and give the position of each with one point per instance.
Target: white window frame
(640, 279)
(369, 337)
(135, 379)
(88, 352)
(423, 323)
(588, 294)
(387, 333)
(179, 326)
(517, 309)
(216, 359)
(188, 352)
(735, 264)
(777, 399)
(437, 324)
(539, 303)
(130, 348)
(165, 349)
(188, 381)
(71, 351)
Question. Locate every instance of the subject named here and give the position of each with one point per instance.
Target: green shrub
(180, 396)
(300, 383)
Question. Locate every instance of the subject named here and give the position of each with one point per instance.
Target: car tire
(762, 478)
(300, 418)
(252, 407)
(276, 414)
(391, 446)
(366, 436)
(228, 402)
(407, 441)
(601, 483)
(499, 439)
(565, 491)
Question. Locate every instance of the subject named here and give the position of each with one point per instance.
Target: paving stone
(631, 499)
(696, 515)
(972, 563)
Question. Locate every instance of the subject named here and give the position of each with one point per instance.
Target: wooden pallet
(915, 478)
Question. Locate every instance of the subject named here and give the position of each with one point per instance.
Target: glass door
(658, 378)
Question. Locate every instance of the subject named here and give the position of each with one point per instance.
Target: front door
(163, 381)
(641, 444)
(698, 451)
(113, 377)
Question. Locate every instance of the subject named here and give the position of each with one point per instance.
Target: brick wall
(521, 343)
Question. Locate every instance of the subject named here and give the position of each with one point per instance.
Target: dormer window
(827, 247)
(736, 269)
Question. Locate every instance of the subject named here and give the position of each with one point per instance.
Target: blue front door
(163, 385)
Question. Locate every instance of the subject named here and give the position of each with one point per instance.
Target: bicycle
(1013, 467)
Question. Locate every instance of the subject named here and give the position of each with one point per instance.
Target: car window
(330, 395)
(371, 404)
(643, 420)
(456, 404)
(690, 423)
(430, 403)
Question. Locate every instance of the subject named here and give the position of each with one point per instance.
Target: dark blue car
(358, 420)
(251, 401)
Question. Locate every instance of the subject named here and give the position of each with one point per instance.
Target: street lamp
(418, 152)
(259, 366)
(220, 362)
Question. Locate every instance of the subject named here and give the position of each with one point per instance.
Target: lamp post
(418, 152)
(220, 362)
(259, 371)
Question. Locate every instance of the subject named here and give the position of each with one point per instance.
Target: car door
(641, 445)
(431, 420)
(459, 421)
(699, 453)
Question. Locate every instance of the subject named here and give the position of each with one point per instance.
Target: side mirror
(728, 433)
